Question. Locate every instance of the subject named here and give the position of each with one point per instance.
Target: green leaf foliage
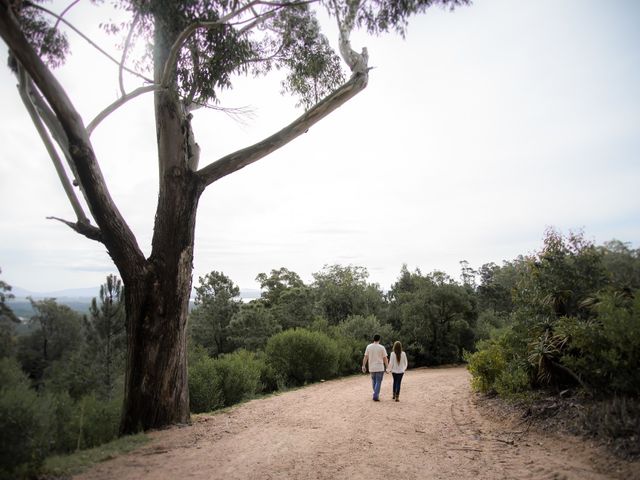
(302, 356)
(605, 351)
(217, 301)
(575, 322)
(23, 423)
(434, 316)
(344, 291)
(56, 335)
(221, 382)
(40, 30)
(251, 326)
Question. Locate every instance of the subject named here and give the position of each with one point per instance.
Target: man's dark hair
(376, 338)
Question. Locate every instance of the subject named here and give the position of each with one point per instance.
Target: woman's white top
(394, 365)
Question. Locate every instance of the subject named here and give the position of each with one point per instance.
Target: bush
(205, 385)
(302, 356)
(485, 365)
(350, 353)
(513, 380)
(488, 324)
(217, 383)
(605, 352)
(63, 429)
(23, 423)
(240, 376)
(363, 328)
(98, 421)
(270, 380)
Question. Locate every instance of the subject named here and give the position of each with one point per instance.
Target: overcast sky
(478, 131)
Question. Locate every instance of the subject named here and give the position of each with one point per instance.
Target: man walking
(376, 356)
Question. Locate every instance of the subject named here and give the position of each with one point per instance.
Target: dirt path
(333, 430)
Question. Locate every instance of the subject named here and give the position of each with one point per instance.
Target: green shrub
(99, 420)
(23, 423)
(240, 376)
(489, 322)
(485, 365)
(217, 383)
(205, 385)
(605, 352)
(63, 430)
(350, 353)
(302, 356)
(270, 380)
(513, 380)
(363, 328)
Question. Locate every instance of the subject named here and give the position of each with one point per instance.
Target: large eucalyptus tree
(194, 49)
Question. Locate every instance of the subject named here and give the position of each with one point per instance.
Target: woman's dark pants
(397, 380)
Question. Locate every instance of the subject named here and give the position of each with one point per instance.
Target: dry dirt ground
(334, 430)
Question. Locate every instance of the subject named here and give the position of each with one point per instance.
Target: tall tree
(622, 264)
(217, 301)
(496, 284)
(344, 291)
(8, 320)
(435, 316)
(289, 300)
(274, 284)
(195, 46)
(106, 337)
(252, 326)
(57, 333)
(560, 279)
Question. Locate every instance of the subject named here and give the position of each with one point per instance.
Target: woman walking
(397, 366)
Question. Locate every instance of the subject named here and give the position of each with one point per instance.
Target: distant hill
(88, 292)
(78, 299)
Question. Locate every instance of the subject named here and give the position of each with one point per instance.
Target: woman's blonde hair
(397, 349)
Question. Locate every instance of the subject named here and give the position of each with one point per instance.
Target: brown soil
(332, 430)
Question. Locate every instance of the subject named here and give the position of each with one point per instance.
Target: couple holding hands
(375, 357)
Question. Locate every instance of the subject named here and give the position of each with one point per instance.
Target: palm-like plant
(544, 353)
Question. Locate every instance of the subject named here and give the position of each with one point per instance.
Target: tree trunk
(156, 392)
(156, 387)
(157, 300)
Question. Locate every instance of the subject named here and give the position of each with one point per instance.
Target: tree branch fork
(56, 111)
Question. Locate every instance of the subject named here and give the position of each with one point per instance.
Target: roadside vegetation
(564, 321)
(571, 331)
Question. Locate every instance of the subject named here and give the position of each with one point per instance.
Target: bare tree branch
(117, 235)
(87, 39)
(55, 129)
(63, 13)
(53, 154)
(117, 104)
(85, 229)
(263, 18)
(240, 159)
(125, 50)
(48, 117)
(357, 61)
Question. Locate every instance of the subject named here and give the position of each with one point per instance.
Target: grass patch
(74, 463)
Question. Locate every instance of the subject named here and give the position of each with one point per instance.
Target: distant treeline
(566, 316)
